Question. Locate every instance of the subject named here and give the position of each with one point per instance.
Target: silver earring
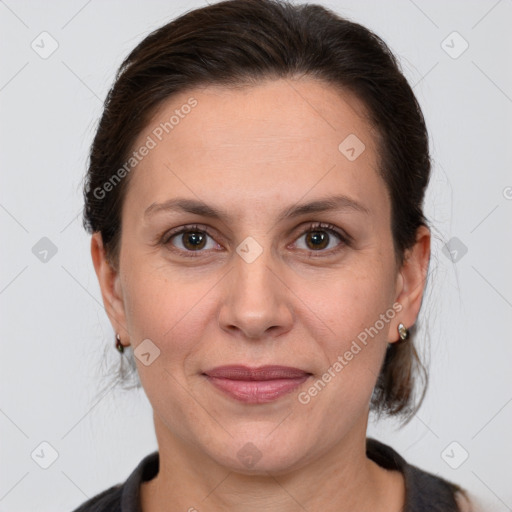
(403, 331)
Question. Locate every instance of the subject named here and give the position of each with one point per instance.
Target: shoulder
(424, 490)
(124, 497)
(463, 502)
(468, 503)
(106, 501)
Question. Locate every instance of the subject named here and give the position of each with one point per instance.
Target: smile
(258, 385)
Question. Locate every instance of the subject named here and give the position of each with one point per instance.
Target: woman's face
(258, 285)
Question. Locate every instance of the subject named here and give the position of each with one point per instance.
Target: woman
(255, 196)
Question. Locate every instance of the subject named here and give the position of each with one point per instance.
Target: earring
(119, 345)
(403, 331)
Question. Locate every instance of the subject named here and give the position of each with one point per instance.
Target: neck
(342, 480)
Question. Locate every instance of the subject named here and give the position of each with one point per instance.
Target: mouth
(256, 385)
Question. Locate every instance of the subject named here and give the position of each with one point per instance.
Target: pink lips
(256, 385)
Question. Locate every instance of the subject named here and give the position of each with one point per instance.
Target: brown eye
(188, 240)
(317, 240)
(193, 240)
(321, 238)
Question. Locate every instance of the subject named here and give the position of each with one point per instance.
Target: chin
(260, 454)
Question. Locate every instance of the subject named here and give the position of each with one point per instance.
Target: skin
(255, 151)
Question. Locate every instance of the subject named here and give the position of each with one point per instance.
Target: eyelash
(316, 226)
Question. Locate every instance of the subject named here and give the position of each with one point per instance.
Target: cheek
(352, 300)
(169, 309)
(357, 308)
(353, 351)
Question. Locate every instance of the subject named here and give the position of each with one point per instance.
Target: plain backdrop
(54, 329)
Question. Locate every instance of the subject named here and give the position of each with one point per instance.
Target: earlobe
(108, 279)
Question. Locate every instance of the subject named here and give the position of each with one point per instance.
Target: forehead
(275, 139)
(272, 112)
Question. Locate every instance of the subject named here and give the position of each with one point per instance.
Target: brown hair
(237, 42)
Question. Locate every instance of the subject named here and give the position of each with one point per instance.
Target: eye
(319, 238)
(189, 239)
(192, 240)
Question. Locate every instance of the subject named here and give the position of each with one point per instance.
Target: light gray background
(54, 327)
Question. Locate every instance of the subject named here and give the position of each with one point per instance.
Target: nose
(256, 300)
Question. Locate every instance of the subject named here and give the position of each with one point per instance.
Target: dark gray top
(424, 492)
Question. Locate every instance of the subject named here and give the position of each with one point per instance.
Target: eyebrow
(331, 203)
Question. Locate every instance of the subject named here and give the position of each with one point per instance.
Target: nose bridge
(253, 280)
(256, 299)
(252, 268)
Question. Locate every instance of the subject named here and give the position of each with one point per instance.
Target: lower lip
(257, 391)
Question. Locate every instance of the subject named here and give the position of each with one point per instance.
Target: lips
(239, 372)
(256, 385)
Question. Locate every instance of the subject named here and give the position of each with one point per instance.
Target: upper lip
(242, 372)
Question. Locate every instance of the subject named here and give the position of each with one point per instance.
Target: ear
(411, 281)
(110, 285)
